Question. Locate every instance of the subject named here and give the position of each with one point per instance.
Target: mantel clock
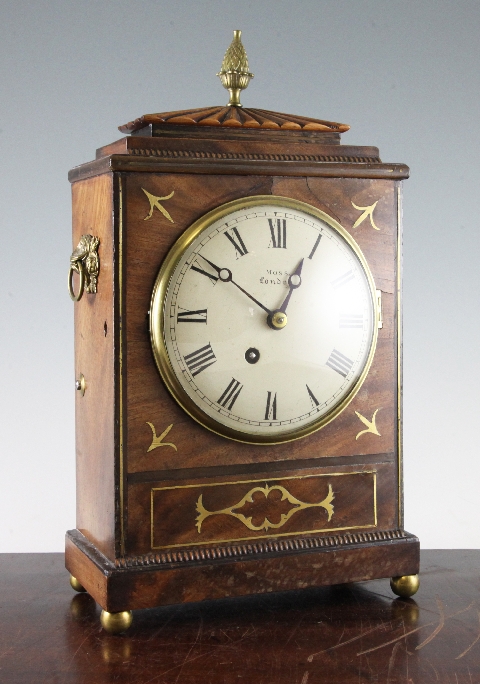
(236, 278)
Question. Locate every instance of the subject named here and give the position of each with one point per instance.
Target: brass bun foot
(405, 585)
(75, 584)
(114, 623)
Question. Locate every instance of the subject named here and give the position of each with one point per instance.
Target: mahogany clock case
(144, 466)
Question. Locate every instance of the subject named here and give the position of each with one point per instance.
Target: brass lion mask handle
(85, 262)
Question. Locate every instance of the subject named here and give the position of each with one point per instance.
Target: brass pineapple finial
(234, 73)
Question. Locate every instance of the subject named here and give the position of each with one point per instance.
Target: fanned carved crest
(235, 117)
(298, 505)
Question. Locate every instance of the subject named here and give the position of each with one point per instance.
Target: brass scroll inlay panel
(266, 524)
(222, 512)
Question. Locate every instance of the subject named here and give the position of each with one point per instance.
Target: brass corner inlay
(367, 213)
(155, 202)
(266, 524)
(84, 261)
(370, 424)
(158, 441)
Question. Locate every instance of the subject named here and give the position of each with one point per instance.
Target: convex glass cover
(263, 319)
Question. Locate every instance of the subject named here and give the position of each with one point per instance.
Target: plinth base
(147, 582)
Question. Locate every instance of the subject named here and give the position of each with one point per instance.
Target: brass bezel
(157, 328)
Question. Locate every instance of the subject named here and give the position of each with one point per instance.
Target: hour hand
(278, 318)
(225, 275)
(294, 281)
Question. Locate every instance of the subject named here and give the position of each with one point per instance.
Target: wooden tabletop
(348, 633)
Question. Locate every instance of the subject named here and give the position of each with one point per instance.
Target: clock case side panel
(96, 333)
(399, 320)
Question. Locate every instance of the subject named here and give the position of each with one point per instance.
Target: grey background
(404, 75)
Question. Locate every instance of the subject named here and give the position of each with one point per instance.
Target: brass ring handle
(85, 262)
(75, 297)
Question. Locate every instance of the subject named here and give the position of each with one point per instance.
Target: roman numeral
(198, 316)
(237, 242)
(342, 280)
(271, 408)
(278, 232)
(339, 363)
(198, 360)
(213, 278)
(317, 242)
(229, 397)
(313, 398)
(351, 320)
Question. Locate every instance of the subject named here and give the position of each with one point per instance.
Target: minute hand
(225, 276)
(294, 281)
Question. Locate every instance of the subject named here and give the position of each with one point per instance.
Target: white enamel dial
(263, 319)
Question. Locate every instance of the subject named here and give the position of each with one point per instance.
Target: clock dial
(284, 315)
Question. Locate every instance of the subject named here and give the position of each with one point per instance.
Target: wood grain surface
(148, 401)
(347, 634)
(148, 243)
(92, 201)
(136, 500)
(202, 573)
(365, 499)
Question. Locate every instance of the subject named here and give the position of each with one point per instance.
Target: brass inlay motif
(341, 528)
(85, 262)
(367, 213)
(371, 425)
(399, 323)
(119, 286)
(155, 202)
(266, 524)
(158, 441)
(379, 309)
(234, 74)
